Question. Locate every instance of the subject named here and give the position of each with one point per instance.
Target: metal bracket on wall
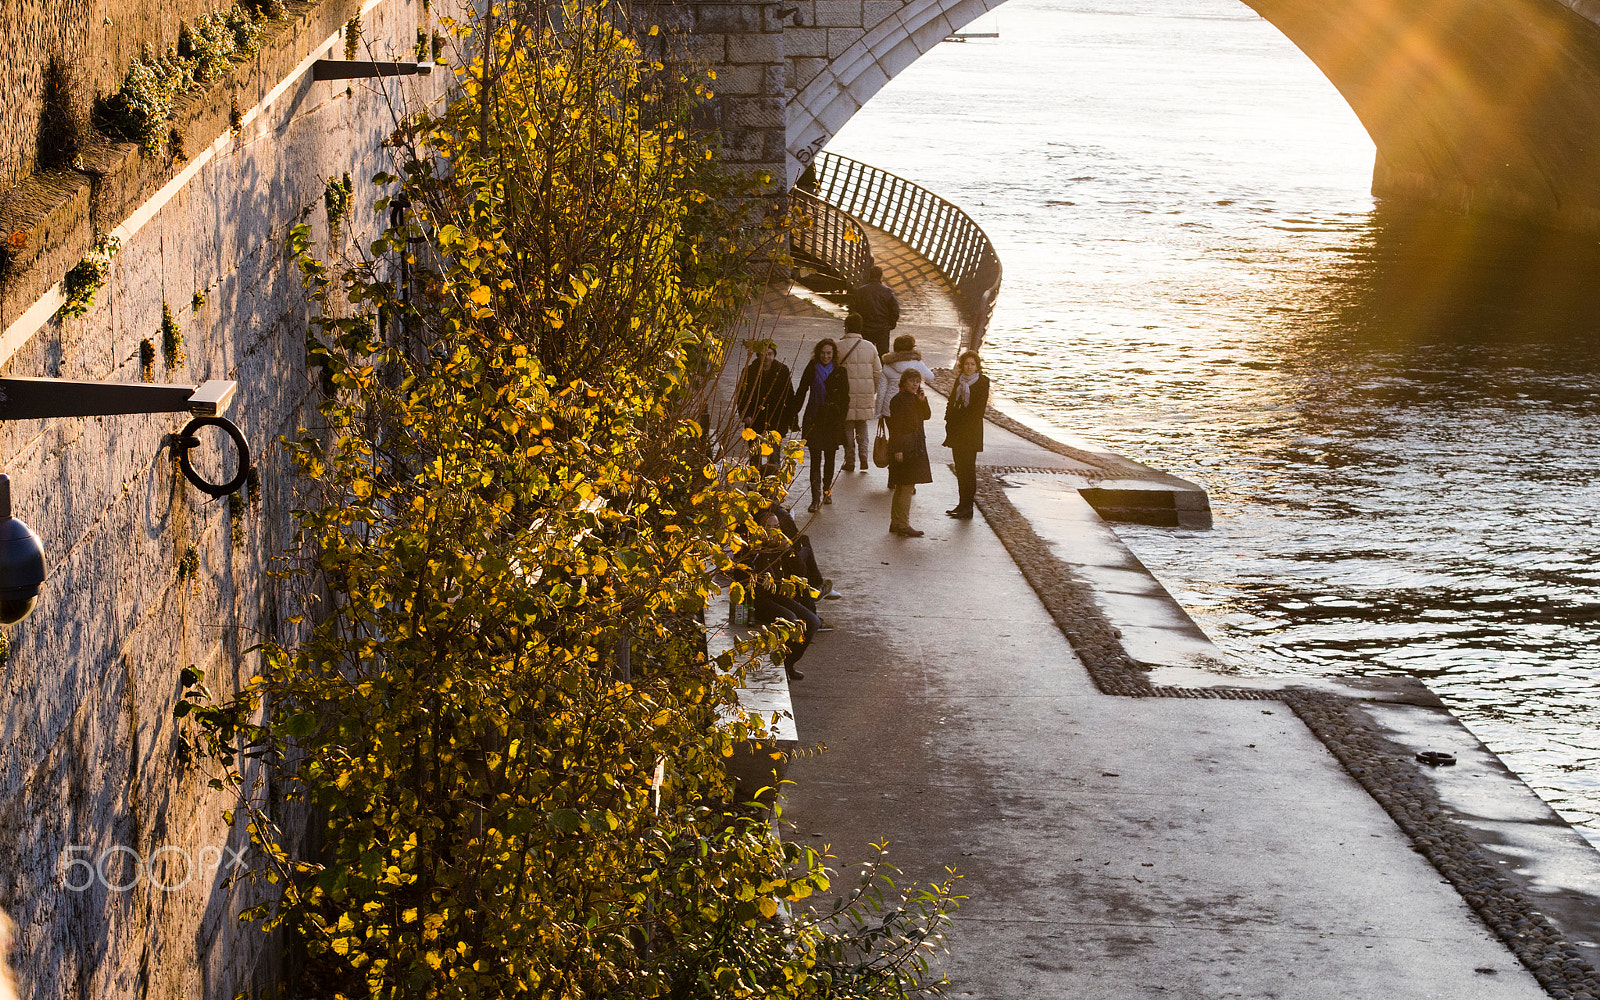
(44, 398)
(342, 69)
(39, 398)
(22, 568)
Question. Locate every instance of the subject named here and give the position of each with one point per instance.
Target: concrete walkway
(1109, 846)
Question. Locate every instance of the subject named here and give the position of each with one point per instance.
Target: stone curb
(1386, 770)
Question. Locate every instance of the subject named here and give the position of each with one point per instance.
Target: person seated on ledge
(770, 604)
(801, 559)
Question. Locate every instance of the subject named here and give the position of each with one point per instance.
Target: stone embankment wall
(70, 51)
(100, 805)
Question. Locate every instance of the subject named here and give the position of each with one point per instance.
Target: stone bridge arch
(1489, 105)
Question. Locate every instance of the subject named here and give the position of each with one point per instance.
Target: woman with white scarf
(963, 428)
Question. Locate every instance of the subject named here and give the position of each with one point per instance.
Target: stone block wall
(91, 42)
(790, 73)
(842, 52)
(743, 42)
(146, 575)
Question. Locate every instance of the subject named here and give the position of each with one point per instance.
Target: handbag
(880, 445)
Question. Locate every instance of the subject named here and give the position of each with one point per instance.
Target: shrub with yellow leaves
(502, 723)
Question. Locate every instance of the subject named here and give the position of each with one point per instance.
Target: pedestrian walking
(905, 357)
(860, 359)
(908, 451)
(824, 390)
(963, 428)
(878, 308)
(765, 397)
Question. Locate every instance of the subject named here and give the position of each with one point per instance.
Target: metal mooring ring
(187, 439)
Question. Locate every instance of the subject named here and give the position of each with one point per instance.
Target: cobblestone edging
(1388, 773)
(1385, 769)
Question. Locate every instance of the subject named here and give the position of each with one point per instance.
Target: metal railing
(933, 227)
(833, 242)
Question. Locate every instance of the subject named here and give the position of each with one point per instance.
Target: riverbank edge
(1385, 768)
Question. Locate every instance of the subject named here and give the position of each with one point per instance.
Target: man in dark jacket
(764, 396)
(878, 308)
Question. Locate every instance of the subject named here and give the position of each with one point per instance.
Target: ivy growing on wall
(171, 337)
(88, 276)
(336, 195)
(206, 49)
(352, 37)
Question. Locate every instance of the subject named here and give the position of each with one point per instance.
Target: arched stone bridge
(1472, 104)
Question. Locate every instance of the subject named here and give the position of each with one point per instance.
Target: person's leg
(816, 476)
(900, 509)
(770, 607)
(851, 429)
(829, 454)
(966, 462)
(808, 561)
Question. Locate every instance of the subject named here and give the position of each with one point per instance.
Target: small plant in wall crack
(236, 505)
(189, 564)
(336, 199)
(88, 275)
(147, 360)
(352, 36)
(171, 338)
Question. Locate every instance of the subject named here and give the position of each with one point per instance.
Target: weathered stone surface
(728, 19)
(755, 112)
(761, 48)
(840, 40)
(876, 11)
(96, 767)
(741, 81)
(802, 42)
(838, 13)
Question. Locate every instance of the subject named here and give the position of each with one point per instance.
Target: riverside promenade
(1016, 698)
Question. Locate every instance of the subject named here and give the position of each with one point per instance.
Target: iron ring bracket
(187, 439)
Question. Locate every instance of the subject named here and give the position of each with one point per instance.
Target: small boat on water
(961, 36)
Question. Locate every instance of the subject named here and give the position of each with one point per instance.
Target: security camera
(21, 561)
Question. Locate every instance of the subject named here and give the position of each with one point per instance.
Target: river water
(1395, 415)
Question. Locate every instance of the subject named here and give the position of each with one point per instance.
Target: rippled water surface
(1395, 416)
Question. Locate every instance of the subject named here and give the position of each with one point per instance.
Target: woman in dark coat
(765, 397)
(908, 450)
(963, 428)
(825, 389)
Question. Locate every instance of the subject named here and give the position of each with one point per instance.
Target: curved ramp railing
(933, 227)
(834, 241)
